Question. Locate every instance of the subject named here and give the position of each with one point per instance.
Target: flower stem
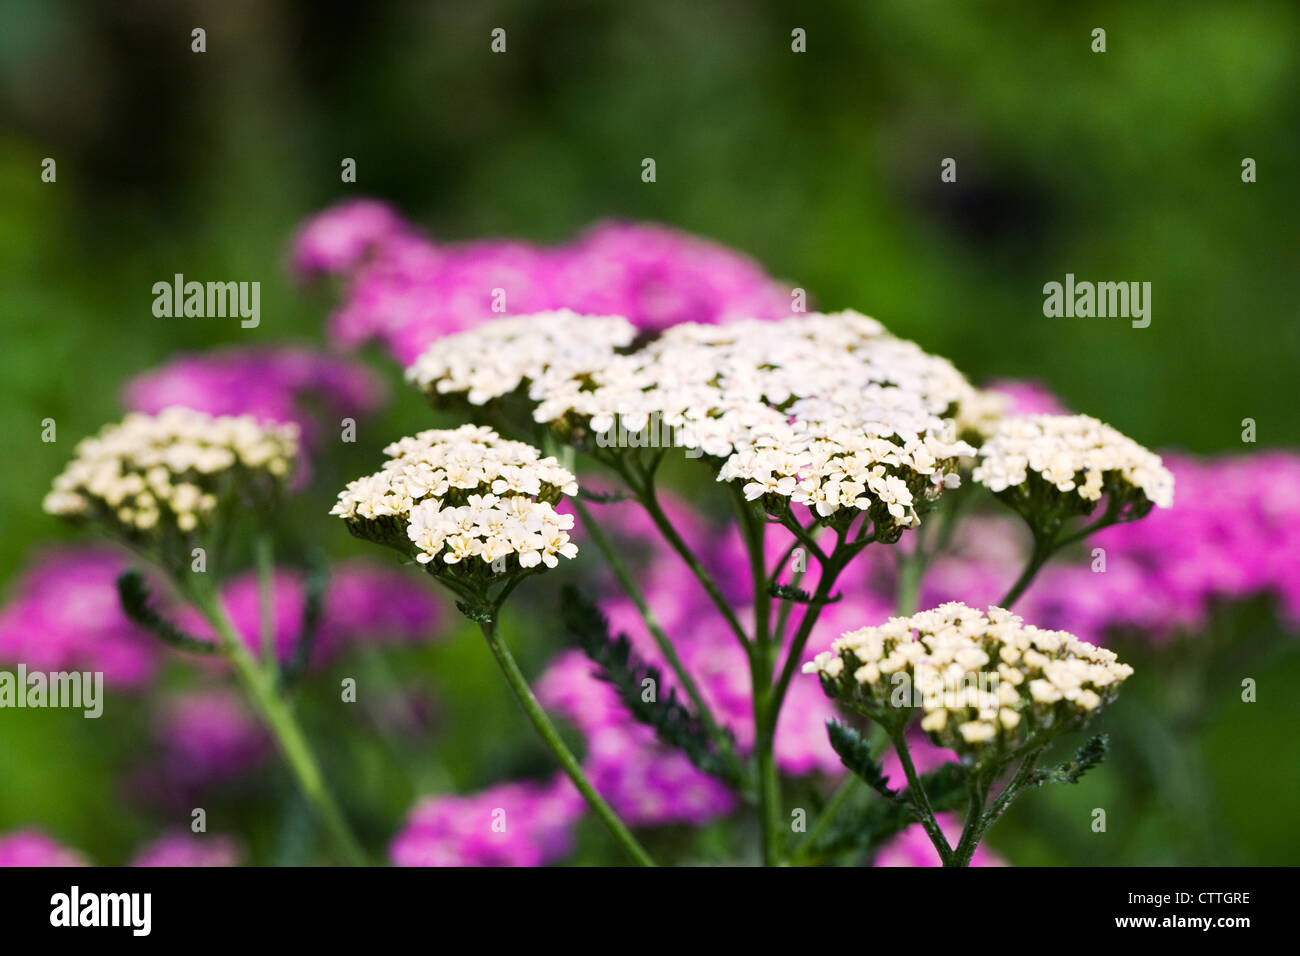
(761, 669)
(649, 500)
(279, 718)
(847, 788)
(546, 729)
(920, 799)
(1039, 556)
(637, 596)
(263, 556)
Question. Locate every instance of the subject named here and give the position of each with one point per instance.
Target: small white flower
(1074, 453)
(984, 678)
(464, 494)
(150, 472)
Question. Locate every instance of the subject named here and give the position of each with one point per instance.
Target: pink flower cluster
(205, 736)
(1232, 534)
(405, 290)
(182, 848)
(512, 824)
(312, 389)
(63, 614)
(28, 848)
(363, 603)
(912, 847)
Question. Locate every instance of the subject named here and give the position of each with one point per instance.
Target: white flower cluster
(1073, 453)
(979, 678)
(829, 467)
(464, 493)
(154, 472)
(825, 409)
(495, 358)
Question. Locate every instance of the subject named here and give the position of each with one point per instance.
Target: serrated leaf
(1085, 758)
(675, 724)
(864, 829)
(788, 592)
(855, 753)
(133, 595)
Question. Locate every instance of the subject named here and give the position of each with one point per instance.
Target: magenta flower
(646, 783)
(913, 848)
(182, 848)
(314, 390)
(364, 604)
(657, 277)
(404, 291)
(512, 824)
(1028, 398)
(208, 735)
(63, 614)
(337, 240)
(33, 848)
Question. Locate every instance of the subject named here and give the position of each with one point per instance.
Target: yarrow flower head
(313, 389)
(986, 684)
(159, 481)
(496, 358)
(465, 503)
(1052, 466)
(828, 411)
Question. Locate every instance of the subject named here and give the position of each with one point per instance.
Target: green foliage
(315, 581)
(1085, 758)
(788, 592)
(133, 595)
(864, 828)
(855, 752)
(673, 722)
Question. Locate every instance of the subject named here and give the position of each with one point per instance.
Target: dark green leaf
(133, 595)
(674, 723)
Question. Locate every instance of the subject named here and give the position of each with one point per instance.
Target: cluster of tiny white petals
(495, 358)
(1073, 453)
(981, 412)
(828, 467)
(465, 493)
(980, 678)
(828, 410)
(718, 384)
(150, 473)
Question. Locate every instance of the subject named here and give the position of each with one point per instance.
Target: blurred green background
(823, 165)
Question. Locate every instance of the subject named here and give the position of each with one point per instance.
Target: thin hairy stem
(278, 716)
(919, 798)
(761, 665)
(638, 598)
(546, 730)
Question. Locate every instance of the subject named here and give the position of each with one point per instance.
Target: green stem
(264, 558)
(649, 500)
(761, 667)
(920, 799)
(825, 582)
(542, 723)
(972, 834)
(279, 719)
(637, 596)
(965, 848)
(910, 572)
(843, 793)
(1039, 556)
